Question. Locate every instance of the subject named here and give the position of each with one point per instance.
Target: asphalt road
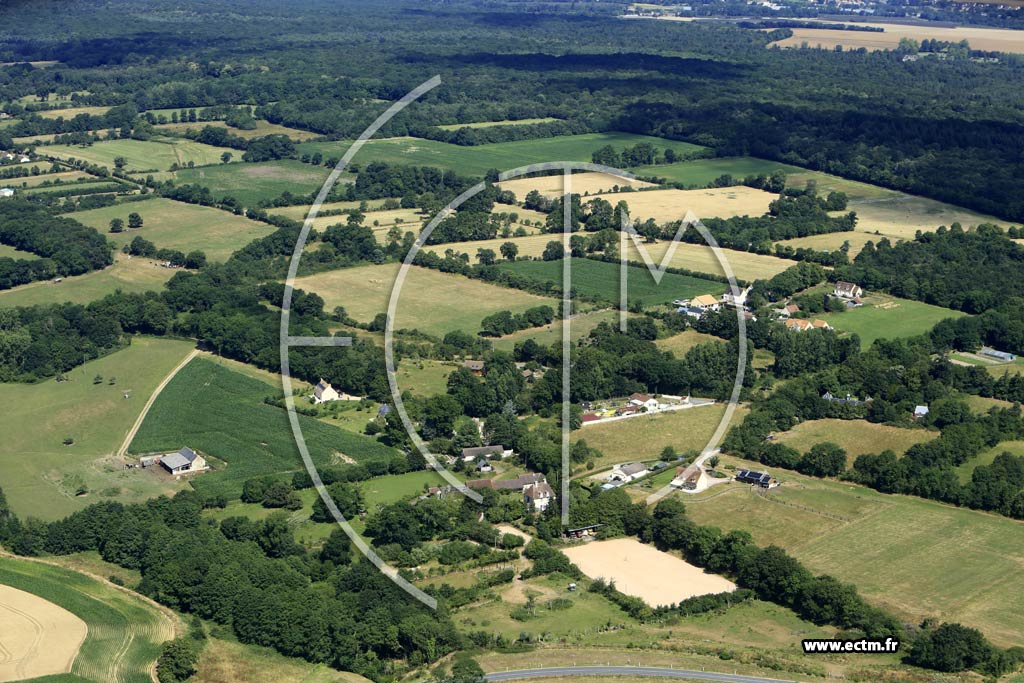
(628, 671)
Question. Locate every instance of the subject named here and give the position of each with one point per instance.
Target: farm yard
(128, 274)
(672, 205)
(884, 316)
(175, 225)
(430, 301)
(586, 184)
(856, 437)
(140, 155)
(940, 561)
(252, 183)
(115, 636)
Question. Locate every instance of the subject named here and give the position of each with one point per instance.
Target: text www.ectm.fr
(826, 645)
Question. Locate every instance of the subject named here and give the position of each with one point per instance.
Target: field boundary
(152, 399)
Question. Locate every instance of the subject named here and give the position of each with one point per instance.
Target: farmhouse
(643, 401)
(787, 311)
(628, 472)
(705, 302)
(485, 452)
(324, 392)
(184, 461)
(847, 290)
(519, 483)
(6, 192)
(538, 496)
(762, 479)
(690, 478)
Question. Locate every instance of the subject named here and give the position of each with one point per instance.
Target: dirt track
(37, 638)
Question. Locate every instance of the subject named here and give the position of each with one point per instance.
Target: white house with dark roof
(627, 472)
(324, 392)
(184, 461)
(538, 496)
(847, 290)
(643, 401)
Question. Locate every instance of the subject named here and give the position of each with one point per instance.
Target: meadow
(884, 316)
(141, 155)
(228, 661)
(40, 475)
(478, 159)
(701, 172)
(298, 213)
(680, 344)
(11, 252)
(856, 437)
(580, 326)
(125, 633)
(37, 180)
(220, 412)
(832, 241)
(492, 124)
(940, 561)
(252, 183)
(262, 128)
(965, 470)
(601, 279)
(423, 377)
(430, 301)
(71, 189)
(128, 274)
(176, 225)
(68, 113)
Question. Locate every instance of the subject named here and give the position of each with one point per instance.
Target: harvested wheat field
(37, 638)
(990, 39)
(582, 183)
(672, 205)
(645, 572)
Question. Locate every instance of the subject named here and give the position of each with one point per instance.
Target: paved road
(628, 671)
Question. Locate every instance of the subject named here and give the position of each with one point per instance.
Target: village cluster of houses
(847, 292)
(699, 306)
(14, 158)
(635, 404)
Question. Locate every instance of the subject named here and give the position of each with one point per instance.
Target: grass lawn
(424, 377)
(392, 488)
(884, 316)
(251, 183)
(176, 225)
(600, 279)
(857, 437)
(580, 326)
(220, 412)
(141, 155)
(127, 274)
(228, 661)
(700, 172)
(644, 438)
(40, 475)
(492, 124)
(125, 633)
(431, 301)
(951, 563)
(478, 159)
(680, 344)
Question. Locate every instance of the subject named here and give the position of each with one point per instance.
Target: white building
(847, 290)
(538, 496)
(184, 461)
(737, 300)
(627, 472)
(6, 192)
(324, 392)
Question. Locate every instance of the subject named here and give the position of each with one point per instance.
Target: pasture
(478, 159)
(262, 128)
(702, 172)
(128, 274)
(228, 661)
(177, 225)
(601, 280)
(965, 470)
(884, 316)
(124, 633)
(951, 563)
(252, 183)
(430, 301)
(988, 39)
(672, 205)
(856, 437)
(220, 412)
(639, 569)
(492, 124)
(42, 477)
(585, 184)
(140, 155)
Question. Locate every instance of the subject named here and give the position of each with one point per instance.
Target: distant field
(701, 172)
(176, 225)
(832, 241)
(587, 183)
(262, 128)
(40, 475)
(902, 216)
(940, 561)
(492, 124)
(37, 180)
(478, 159)
(141, 155)
(225, 661)
(251, 183)
(385, 219)
(69, 113)
(124, 634)
(985, 458)
(84, 187)
(857, 437)
(579, 327)
(884, 316)
(430, 301)
(989, 39)
(672, 205)
(298, 213)
(209, 407)
(127, 274)
(601, 279)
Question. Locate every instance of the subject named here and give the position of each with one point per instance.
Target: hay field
(673, 205)
(37, 637)
(176, 225)
(857, 437)
(69, 113)
(141, 155)
(430, 301)
(989, 39)
(40, 475)
(129, 274)
(492, 124)
(581, 183)
(832, 241)
(641, 570)
(262, 128)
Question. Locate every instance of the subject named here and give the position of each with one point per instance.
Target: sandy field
(37, 638)
(582, 183)
(990, 39)
(672, 205)
(645, 572)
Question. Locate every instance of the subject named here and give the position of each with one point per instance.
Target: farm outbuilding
(184, 461)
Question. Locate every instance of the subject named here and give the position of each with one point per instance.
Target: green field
(127, 274)
(141, 155)
(251, 183)
(478, 159)
(392, 488)
(45, 178)
(176, 225)
(425, 377)
(88, 186)
(856, 437)
(125, 633)
(601, 279)
(492, 124)
(884, 316)
(940, 561)
(701, 172)
(986, 457)
(39, 474)
(220, 412)
(262, 128)
(11, 252)
(430, 301)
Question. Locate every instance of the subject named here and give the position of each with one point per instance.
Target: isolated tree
(553, 251)
(509, 251)
(116, 225)
(134, 220)
(226, 157)
(486, 257)
(120, 162)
